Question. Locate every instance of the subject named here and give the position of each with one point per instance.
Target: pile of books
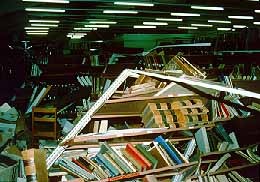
(209, 154)
(183, 113)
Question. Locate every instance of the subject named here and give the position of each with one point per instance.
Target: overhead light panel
(155, 23)
(92, 49)
(241, 17)
(43, 25)
(189, 28)
(133, 4)
(36, 28)
(239, 26)
(103, 22)
(143, 26)
(37, 33)
(96, 26)
(45, 10)
(168, 19)
(218, 21)
(185, 14)
(208, 8)
(44, 21)
(224, 29)
(120, 12)
(201, 25)
(48, 1)
(256, 23)
(99, 41)
(257, 11)
(85, 28)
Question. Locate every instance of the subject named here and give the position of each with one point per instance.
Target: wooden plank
(43, 119)
(44, 110)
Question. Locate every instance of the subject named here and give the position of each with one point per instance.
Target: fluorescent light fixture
(189, 28)
(133, 4)
(185, 14)
(257, 11)
(92, 49)
(256, 23)
(224, 29)
(45, 10)
(120, 11)
(233, 29)
(208, 8)
(37, 33)
(241, 17)
(254, 0)
(98, 41)
(155, 23)
(48, 1)
(36, 28)
(103, 22)
(143, 26)
(85, 28)
(201, 25)
(44, 21)
(239, 26)
(74, 37)
(77, 33)
(96, 26)
(218, 21)
(168, 19)
(43, 25)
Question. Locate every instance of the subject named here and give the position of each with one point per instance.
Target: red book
(81, 165)
(131, 150)
(225, 109)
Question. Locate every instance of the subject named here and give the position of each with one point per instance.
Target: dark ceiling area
(76, 16)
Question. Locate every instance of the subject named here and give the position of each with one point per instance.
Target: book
(177, 152)
(108, 164)
(96, 167)
(131, 150)
(105, 148)
(202, 140)
(222, 132)
(131, 159)
(123, 159)
(168, 149)
(159, 155)
(220, 162)
(103, 126)
(147, 155)
(96, 126)
(81, 165)
(110, 159)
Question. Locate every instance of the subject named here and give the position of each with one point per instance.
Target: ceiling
(79, 13)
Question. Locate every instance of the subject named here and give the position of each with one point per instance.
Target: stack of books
(183, 113)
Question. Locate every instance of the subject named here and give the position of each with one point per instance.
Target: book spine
(138, 156)
(167, 148)
(110, 167)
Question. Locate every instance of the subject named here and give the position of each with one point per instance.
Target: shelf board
(43, 119)
(44, 134)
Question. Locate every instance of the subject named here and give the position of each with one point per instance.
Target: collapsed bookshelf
(168, 131)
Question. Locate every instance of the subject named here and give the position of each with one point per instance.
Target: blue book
(222, 132)
(202, 140)
(101, 165)
(108, 165)
(168, 149)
